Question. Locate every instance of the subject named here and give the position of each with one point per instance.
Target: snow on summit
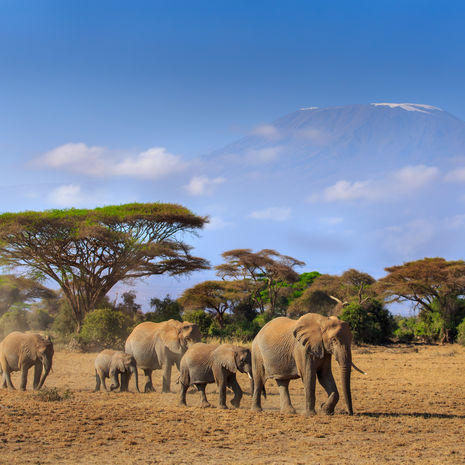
(408, 106)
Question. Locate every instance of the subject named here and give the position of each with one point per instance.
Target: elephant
(19, 352)
(114, 364)
(160, 345)
(286, 349)
(209, 363)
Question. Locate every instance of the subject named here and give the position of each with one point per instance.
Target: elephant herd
(283, 350)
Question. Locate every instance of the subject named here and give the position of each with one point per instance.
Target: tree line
(86, 252)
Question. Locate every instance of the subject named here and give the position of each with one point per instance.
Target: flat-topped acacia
(87, 251)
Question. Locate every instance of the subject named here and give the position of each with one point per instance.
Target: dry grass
(410, 409)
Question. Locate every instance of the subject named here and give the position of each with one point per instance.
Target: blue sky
(120, 80)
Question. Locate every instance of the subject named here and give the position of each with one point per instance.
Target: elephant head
(321, 335)
(126, 365)
(233, 358)
(178, 336)
(45, 352)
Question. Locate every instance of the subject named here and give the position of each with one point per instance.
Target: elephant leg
(285, 400)
(24, 370)
(7, 379)
(203, 398)
(97, 382)
(102, 377)
(309, 380)
(257, 382)
(124, 385)
(182, 395)
(222, 397)
(37, 373)
(234, 385)
(148, 380)
(325, 377)
(166, 377)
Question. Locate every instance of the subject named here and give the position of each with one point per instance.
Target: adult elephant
(160, 345)
(203, 364)
(21, 351)
(286, 349)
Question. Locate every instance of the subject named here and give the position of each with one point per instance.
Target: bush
(39, 319)
(64, 324)
(105, 328)
(14, 320)
(461, 333)
(370, 322)
(429, 327)
(405, 331)
(165, 309)
(53, 395)
(201, 318)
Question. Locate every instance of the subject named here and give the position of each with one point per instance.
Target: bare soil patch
(409, 409)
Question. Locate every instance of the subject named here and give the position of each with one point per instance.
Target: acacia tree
(215, 297)
(430, 284)
(331, 293)
(88, 251)
(266, 270)
(20, 290)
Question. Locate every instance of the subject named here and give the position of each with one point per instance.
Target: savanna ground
(410, 409)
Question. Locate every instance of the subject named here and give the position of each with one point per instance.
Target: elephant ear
(225, 356)
(170, 337)
(311, 337)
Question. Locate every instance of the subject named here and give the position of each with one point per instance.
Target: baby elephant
(209, 363)
(112, 364)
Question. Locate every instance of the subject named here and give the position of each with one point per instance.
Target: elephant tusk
(358, 369)
(249, 375)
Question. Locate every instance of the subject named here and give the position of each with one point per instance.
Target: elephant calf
(209, 363)
(114, 364)
(21, 351)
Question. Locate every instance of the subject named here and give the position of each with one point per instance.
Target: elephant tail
(184, 377)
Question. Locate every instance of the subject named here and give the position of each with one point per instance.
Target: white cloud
(331, 220)
(67, 195)
(266, 130)
(402, 182)
(260, 156)
(457, 175)
(272, 213)
(217, 223)
(202, 185)
(102, 162)
(409, 239)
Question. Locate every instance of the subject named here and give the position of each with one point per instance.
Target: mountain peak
(408, 106)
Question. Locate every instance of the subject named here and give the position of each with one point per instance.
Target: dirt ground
(409, 409)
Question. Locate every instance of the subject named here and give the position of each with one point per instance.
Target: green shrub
(429, 327)
(201, 318)
(14, 320)
(405, 331)
(461, 333)
(39, 319)
(105, 328)
(64, 325)
(165, 309)
(370, 322)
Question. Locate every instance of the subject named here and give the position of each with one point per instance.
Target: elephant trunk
(343, 356)
(115, 383)
(345, 377)
(47, 365)
(136, 376)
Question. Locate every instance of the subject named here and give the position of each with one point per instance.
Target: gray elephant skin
(211, 363)
(286, 349)
(160, 345)
(21, 351)
(115, 364)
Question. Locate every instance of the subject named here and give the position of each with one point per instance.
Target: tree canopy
(88, 251)
(430, 284)
(265, 273)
